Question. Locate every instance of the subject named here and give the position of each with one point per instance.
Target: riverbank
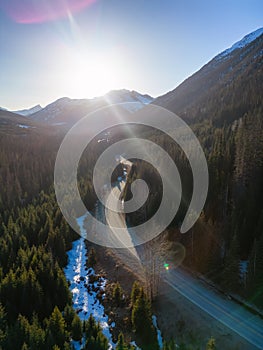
(87, 287)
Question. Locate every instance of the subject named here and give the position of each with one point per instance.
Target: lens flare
(166, 266)
(111, 233)
(30, 11)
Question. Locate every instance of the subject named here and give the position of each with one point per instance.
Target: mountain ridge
(68, 111)
(29, 111)
(215, 81)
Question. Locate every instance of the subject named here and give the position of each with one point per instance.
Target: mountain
(224, 88)
(66, 111)
(223, 103)
(28, 112)
(242, 43)
(133, 101)
(12, 123)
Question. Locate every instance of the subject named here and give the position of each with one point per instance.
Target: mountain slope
(223, 103)
(66, 111)
(221, 90)
(11, 123)
(242, 43)
(28, 112)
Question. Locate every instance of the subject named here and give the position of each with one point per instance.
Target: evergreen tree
(255, 272)
(92, 258)
(95, 339)
(135, 292)
(230, 277)
(142, 322)
(121, 345)
(211, 344)
(57, 328)
(117, 294)
(171, 345)
(76, 328)
(2, 324)
(68, 315)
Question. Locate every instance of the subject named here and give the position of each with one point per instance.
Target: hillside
(66, 111)
(12, 123)
(223, 104)
(224, 89)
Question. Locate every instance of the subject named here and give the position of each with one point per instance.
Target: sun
(93, 74)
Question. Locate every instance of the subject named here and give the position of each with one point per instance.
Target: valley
(195, 290)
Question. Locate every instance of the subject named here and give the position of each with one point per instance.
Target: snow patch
(28, 112)
(85, 299)
(242, 43)
(159, 335)
(76, 345)
(60, 123)
(132, 101)
(22, 126)
(134, 344)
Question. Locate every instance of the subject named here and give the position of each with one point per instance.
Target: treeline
(33, 288)
(230, 228)
(26, 167)
(35, 302)
(141, 322)
(224, 106)
(137, 312)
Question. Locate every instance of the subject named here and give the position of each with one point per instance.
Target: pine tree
(230, 280)
(76, 328)
(57, 328)
(211, 344)
(92, 258)
(171, 345)
(142, 322)
(255, 272)
(135, 292)
(121, 345)
(2, 324)
(117, 294)
(68, 315)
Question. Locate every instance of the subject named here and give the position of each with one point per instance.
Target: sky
(84, 48)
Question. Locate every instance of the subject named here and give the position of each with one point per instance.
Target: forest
(35, 302)
(226, 115)
(36, 309)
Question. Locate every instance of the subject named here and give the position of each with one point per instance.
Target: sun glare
(93, 75)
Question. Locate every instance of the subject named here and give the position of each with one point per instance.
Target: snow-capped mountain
(28, 112)
(221, 83)
(132, 100)
(242, 43)
(66, 111)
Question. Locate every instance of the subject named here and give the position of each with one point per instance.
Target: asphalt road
(125, 251)
(228, 312)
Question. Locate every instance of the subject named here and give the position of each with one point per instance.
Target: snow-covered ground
(85, 300)
(134, 344)
(241, 43)
(22, 126)
(85, 293)
(159, 335)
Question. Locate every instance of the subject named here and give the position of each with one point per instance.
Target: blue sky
(144, 45)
